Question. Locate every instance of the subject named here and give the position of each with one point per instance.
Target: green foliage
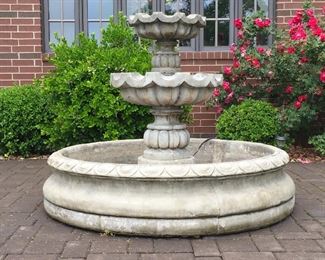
(318, 142)
(22, 109)
(85, 107)
(255, 121)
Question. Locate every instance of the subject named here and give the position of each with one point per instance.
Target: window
(69, 17)
(217, 30)
(247, 7)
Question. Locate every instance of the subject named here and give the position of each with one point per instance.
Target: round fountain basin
(233, 186)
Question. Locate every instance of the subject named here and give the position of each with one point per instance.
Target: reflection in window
(216, 32)
(61, 19)
(99, 12)
(138, 6)
(251, 6)
(173, 6)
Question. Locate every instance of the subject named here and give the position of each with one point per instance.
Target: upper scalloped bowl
(155, 89)
(162, 27)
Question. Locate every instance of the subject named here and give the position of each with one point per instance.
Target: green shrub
(255, 121)
(85, 107)
(22, 109)
(318, 142)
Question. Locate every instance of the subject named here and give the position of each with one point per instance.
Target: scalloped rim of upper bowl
(144, 18)
(137, 80)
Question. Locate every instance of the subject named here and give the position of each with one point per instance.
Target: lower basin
(232, 187)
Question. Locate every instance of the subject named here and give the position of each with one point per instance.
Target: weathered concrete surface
(243, 189)
(27, 232)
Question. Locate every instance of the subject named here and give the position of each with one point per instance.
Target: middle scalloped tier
(155, 89)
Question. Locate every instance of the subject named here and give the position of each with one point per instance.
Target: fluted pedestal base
(166, 138)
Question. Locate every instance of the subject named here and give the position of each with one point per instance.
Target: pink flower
(303, 60)
(269, 89)
(229, 98)
(227, 70)
(242, 50)
(323, 9)
(313, 22)
(310, 12)
(240, 34)
(298, 34)
(236, 63)
(322, 37)
(233, 48)
(267, 22)
(240, 99)
(299, 13)
(256, 63)
(295, 21)
(226, 86)
(317, 31)
(291, 50)
(322, 76)
(260, 50)
(297, 104)
(219, 109)
(238, 24)
(259, 23)
(216, 92)
(302, 98)
(280, 48)
(288, 89)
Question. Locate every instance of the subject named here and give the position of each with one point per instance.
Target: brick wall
(21, 57)
(20, 42)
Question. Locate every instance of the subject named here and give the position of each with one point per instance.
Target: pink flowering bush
(290, 73)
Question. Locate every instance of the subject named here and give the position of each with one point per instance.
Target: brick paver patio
(26, 232)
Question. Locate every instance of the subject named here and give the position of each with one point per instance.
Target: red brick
(23, 62)
(30, 69)
(23, 48)
(26, 7)
(5, 76)
(4, 7)
(29, 28)
(23, 76)
(24, 35)
(8, 69)
(20, 21)
(5, 49)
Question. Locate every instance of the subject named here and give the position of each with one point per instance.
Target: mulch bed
(304, 155)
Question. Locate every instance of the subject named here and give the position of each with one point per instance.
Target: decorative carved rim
(136, 80)
(276, 159)
(192, 19)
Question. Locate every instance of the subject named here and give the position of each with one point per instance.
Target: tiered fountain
(168, 184)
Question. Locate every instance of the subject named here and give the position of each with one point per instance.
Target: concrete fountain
(168, 184)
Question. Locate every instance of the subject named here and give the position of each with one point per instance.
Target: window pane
(223, 33)
(248, 7)
(55, 27)
(108, 9)
(209, 7)
(55, 9)
(139, 6)
(69, 31)
(209, 33)
(94, 7)
(94, 28)
(223, 9)
(173, 6)
(263, 5)
(261, 39)
(68, 9)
